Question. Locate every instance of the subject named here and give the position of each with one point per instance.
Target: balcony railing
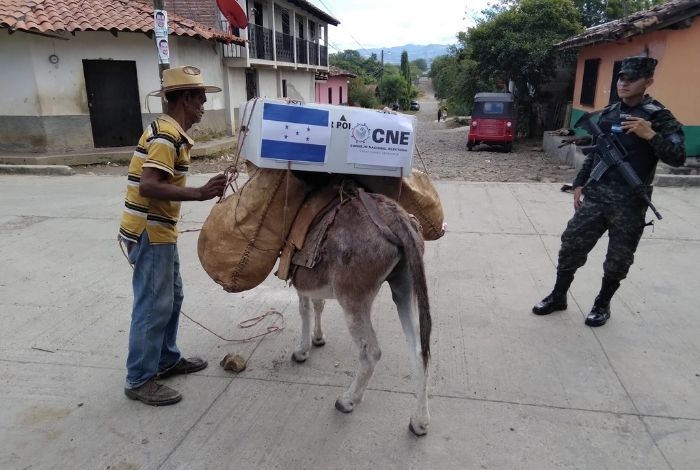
(285, 51)
(324, 56)
(260, 42)
(260, 46)
(301, 51)
(313, 53)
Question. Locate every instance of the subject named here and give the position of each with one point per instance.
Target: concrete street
(508, 389)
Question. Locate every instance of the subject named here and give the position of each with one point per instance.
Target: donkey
(371, 240)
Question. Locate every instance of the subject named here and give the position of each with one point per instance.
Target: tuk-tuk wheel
(470, 147)
(508, 147)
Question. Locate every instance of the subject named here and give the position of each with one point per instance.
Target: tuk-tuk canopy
(493, 105)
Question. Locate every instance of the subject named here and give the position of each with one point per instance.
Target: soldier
(649, 133)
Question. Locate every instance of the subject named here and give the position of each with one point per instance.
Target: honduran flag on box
(295, 133)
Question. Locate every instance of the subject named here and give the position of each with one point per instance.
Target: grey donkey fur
(355, 261)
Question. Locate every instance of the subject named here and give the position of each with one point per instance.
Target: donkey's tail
(413, 244)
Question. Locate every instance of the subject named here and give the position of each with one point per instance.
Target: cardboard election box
(326, 138)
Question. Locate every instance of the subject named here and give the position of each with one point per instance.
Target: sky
(389, 23)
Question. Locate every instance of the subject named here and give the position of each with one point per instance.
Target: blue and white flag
(295, 133)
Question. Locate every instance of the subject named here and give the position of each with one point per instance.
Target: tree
(420, 64)
(359, 94)
(405, 67)
(516, 44)
(393, 89)
(369, 69)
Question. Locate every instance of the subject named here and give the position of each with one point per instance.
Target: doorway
(114, 103)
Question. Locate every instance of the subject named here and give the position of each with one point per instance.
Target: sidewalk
(508, 389)
(9, 162)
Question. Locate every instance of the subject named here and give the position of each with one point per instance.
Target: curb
(53, 170)
(120, 155)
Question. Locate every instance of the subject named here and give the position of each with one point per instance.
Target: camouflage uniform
(610, 203)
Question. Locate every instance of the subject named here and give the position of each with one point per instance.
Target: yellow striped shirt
(166, 147)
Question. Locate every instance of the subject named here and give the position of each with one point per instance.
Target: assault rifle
(612, 155)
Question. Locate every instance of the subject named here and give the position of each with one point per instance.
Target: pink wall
(334, 84)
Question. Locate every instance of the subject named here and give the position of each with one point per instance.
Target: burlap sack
(417, 195)
(243, 234)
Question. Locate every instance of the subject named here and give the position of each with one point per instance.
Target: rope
(231, 172)
(248, 323)
(421, 160)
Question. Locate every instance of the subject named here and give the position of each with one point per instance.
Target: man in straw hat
(156, 185)
(649, 133)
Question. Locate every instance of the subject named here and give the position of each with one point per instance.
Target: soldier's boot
(556, 300)
(600, 313)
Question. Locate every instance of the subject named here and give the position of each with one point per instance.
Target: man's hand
(213, 188)
(639, 126)
(578, 194)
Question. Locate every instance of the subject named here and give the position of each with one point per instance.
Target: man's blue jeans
(154, 319)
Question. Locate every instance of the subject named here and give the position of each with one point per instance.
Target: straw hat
(183, 78)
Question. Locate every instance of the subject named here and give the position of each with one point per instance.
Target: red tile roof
(57, 16)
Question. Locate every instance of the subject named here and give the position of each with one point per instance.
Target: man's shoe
(550, 304)
(599, 315)
(154, 394)
(184, 366)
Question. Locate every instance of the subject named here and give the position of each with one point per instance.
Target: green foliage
(420, 65)
(405, 67)
(369, 69)
(513, 41)
(393, 90)
(360, 95)
(457, 80)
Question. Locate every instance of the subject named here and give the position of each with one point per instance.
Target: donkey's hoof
(318, 342)
(344, 406)
(418, 429)
(300, 356)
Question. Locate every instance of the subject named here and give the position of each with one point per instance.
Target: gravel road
(443, 148)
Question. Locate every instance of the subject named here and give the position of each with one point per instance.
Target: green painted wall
(692, 134)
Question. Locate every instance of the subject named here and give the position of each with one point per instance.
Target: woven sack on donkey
(417, 196)
(244, 233)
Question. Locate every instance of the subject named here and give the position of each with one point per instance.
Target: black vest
(639, 152)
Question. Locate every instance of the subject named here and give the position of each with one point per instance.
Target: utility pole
(160, 35)
(381, 75)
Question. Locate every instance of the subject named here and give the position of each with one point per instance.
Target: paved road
(509, 390)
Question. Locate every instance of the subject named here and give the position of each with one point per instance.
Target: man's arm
(155, 184)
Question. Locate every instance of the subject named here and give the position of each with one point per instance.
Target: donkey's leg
(302, 352)
(362, 333)
(402, 294)
(318, 339)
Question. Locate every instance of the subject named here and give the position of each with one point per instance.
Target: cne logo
(360, 133)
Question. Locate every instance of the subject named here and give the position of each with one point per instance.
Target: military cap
(637, 67)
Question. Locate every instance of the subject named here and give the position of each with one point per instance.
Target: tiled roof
(674, 13)
(67, 16)
(334, 71)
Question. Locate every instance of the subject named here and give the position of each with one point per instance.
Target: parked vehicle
(415, 106)
(492, 121)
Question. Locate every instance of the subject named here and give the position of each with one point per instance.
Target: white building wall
(21, 97)
(206, 56)
(237, 94)
(300, 85)
(267, 83)
(48, 108)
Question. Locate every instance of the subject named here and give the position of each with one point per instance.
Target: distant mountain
(392, 55)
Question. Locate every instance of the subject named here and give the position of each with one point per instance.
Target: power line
(346, 30)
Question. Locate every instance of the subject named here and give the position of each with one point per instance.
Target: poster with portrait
(160, 23)
(163, 50)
